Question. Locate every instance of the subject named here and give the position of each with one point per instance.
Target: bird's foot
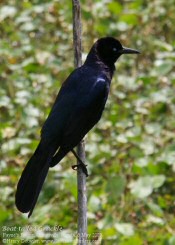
(81, 165)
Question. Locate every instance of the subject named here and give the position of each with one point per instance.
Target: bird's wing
(77, 108)
(87, 112)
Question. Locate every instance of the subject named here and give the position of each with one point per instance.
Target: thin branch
(77, 33)
(81, 177)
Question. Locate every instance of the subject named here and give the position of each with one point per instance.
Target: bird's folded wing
(86, 114)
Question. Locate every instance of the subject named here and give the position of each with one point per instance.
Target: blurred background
(130, 153)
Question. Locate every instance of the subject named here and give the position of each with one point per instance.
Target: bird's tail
(32, 179)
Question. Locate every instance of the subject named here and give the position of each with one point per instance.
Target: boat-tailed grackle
(78, 107)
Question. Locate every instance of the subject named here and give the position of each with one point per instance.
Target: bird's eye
(114, 49)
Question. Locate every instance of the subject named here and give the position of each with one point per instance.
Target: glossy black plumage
(78, 107)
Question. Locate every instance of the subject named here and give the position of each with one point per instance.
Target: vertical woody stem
(81, 177)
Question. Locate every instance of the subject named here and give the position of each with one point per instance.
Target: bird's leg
(81, 163)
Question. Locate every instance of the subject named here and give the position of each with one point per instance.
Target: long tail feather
(32, 179)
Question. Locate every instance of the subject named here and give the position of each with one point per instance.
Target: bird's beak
(129, 51)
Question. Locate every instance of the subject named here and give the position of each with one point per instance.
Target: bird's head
(109, 50)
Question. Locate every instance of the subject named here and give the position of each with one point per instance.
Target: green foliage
(130, 153)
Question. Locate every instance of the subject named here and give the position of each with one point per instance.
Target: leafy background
(130, 153)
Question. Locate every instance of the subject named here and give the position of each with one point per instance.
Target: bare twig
(77, 32)
(81, 177)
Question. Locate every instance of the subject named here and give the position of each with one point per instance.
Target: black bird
(78, 107)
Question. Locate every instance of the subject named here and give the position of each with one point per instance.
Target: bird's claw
(83, 166)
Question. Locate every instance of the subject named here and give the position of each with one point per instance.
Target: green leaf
(156, 209)
(164, 68)
(136, 239)
(94, 203)
(115, 7)
(130, 19)
(155, 220)
(144, 186)
(164, 45)
(125, 229)
(171, 241)
(4, 215)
